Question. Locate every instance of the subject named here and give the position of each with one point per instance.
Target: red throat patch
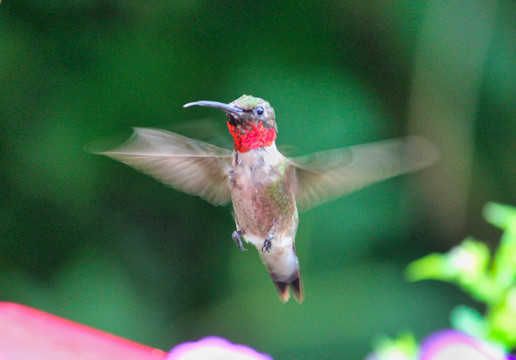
(255, 137)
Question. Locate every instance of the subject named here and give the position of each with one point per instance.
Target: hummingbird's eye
(259, 110)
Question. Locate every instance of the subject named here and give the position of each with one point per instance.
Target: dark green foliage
(86, 238)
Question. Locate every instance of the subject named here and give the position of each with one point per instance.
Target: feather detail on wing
(189, 165)
(331, 174)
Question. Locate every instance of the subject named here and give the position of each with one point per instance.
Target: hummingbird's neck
(263, 158)
(253, 137)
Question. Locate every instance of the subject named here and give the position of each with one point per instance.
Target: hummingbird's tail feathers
(283, 289)
(283, 267)
(295, 287)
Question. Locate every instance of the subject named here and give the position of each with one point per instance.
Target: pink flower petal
(214, 348)
(454, 345)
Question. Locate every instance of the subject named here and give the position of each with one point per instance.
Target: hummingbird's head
(251, 121)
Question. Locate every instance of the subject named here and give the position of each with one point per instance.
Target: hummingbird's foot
(266, 246)
(237, 237)
(267, 243)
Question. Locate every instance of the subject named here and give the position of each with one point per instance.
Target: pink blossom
(455, 345)
(214, 348)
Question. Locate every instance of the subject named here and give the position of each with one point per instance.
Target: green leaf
(501, 216)
(504, 264)
(433, 266)
(469, 321)
(502, 320)
(404, 347)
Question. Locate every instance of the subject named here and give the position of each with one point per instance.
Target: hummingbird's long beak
(215, 104)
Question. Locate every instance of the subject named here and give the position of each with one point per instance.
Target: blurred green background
(91, 240)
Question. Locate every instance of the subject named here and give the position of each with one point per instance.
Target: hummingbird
(265, 187)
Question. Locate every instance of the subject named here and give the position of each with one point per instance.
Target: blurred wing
(189, 165)
(330, 174)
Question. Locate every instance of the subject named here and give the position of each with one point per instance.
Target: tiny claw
(266, 246)
(238, 239)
